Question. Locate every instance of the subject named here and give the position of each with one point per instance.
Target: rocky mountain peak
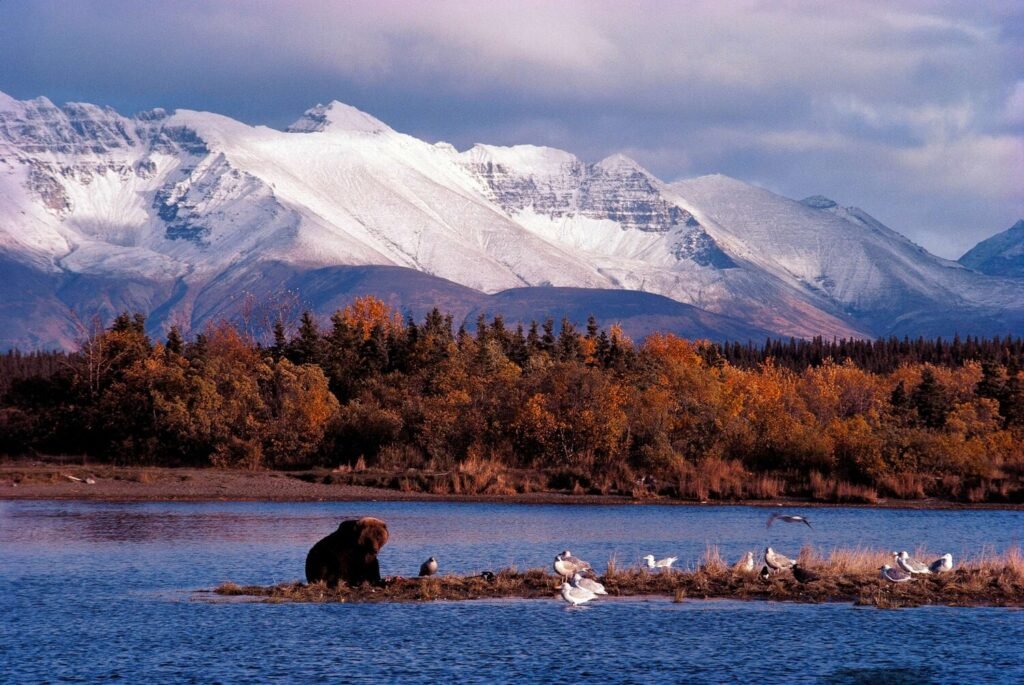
(335, 117)
(619, 163)
(1000, 255)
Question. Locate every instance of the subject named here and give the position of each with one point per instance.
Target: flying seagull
(895, 575)
(942, 564)
(566, 565)
(746, 564)
(788, 518)
(804, 575)
(660, 563)
(909, 564)
(574, 594)
(428, 567)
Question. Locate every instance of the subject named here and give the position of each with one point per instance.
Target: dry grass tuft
(612, 567)
(712, 561)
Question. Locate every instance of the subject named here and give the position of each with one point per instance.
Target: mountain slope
(851, 263)
(1000, 255)
(192, 216)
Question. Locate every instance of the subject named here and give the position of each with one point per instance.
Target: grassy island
(845, 576)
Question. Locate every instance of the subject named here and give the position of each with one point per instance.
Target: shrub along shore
(375, 400)
(845, 576)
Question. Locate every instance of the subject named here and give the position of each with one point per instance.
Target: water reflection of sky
(473, 536)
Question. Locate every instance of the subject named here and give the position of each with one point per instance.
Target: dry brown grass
(832, 490)
(904, 486)
(712, 561)
(612, 567)
(853, 561)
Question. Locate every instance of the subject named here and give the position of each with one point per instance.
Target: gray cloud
(914, 112)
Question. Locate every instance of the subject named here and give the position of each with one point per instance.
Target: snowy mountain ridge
(179, 213)
(1000, 255)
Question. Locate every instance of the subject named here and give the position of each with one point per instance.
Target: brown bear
(349, 554)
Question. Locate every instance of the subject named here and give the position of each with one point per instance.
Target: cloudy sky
(913, 110)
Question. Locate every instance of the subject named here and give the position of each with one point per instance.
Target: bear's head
(367, 533)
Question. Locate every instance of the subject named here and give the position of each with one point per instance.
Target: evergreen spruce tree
(931, 400)
(175, 345)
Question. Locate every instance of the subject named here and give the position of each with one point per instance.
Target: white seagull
(942, 564)
(746, 564)
(428, 567)
(776, 561)
(909, 564)
(660, 563)
(566, 565)
(591, 584)
(787, 518)
(895, 575)
(574, 594)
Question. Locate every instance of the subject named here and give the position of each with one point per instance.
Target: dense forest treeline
(504, 409)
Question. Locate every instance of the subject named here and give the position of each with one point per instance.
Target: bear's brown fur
(349, 554)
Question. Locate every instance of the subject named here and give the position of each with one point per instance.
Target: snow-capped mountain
(191, 215)
(1000, 255)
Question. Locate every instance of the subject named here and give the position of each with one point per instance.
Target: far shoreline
(30, 481)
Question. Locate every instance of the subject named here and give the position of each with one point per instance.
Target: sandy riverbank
(45, 480)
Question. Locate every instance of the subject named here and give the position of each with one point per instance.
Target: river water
(104, 592)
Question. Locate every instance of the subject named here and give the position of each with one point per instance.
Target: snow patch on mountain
(1000, 255)
(337, 117)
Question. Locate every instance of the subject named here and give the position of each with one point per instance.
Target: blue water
(102, 592)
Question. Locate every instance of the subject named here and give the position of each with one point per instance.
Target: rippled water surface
(97, 592)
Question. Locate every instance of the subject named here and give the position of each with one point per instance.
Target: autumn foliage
(589, 410)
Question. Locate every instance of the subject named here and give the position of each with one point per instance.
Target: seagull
(765, 573)
(574, 594)
(895, 575)
(788, 518)
(804, 575)
(428, 567)
(942, 564)
(909, 564)
(660, 563)
(591, 584)
(566, 565)
(746, 564)
(487, 575)
(776, 561)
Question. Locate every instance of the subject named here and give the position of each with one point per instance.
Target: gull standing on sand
(942, 564)
(895, 575)
(787, 518)
(660, 563)
(574, 594)
(566, 565)
(909, 564)
(428, 567)
(776, 561)
(746, 564)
